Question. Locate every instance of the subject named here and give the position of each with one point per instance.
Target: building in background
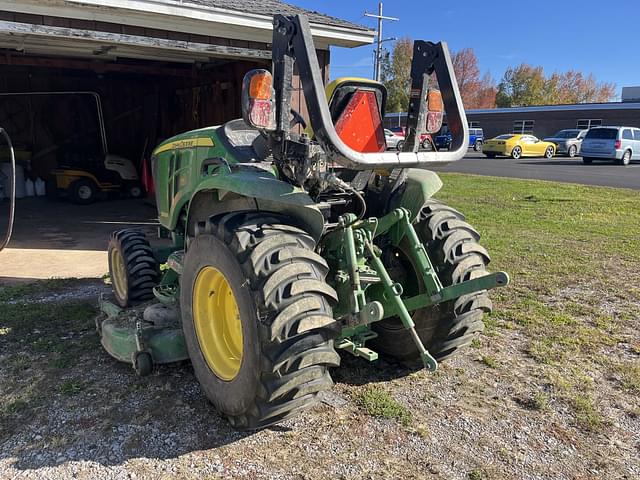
(544, 121)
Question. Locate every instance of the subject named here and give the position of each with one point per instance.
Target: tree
(396, 75)
(522, 85)
(476, 92)
(486, 95)
(574, 87)
(526, 85)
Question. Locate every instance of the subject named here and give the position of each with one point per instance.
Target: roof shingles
(271, 7)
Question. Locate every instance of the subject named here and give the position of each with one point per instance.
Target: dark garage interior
(142, 102)
(150, 71)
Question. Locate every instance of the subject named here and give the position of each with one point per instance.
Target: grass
(71, 387)
(587, 414)
(477, 474)
(570, 250)
(39, 342)
(489, 361)
(21, 291)
(629, 373)
(378, 402)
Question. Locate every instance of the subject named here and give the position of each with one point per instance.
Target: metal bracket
(393, 294)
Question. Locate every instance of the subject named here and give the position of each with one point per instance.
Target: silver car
(392, 139)
(568, 142)
(619, 144)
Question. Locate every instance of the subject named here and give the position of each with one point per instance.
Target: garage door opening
(53, 113)
(51, 107)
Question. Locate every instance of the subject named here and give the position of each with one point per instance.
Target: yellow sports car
(516, 146)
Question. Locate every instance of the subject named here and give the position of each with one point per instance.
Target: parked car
(392, 139)
(476, 139)
(518, 145)
(568, 141)
(426, 141)
(619, 144)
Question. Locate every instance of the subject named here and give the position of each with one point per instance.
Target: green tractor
(288, 247)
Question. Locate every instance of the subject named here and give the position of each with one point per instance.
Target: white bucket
(20, 183)
(29, 188)
(41, 189)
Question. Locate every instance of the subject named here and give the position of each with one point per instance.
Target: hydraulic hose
(12, 196)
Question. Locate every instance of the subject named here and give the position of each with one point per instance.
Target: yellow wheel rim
(217, 322)
(118, 273)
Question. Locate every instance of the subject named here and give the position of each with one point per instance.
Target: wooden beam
(197, 49)
(96, 66)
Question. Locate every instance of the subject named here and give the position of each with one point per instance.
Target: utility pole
(379, 42)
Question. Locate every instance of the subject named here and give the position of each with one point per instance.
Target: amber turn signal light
(260, 87)
(434, 101)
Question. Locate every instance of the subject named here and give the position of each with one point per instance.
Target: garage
(86, 80)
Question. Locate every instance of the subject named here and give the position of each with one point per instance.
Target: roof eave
(185, 17)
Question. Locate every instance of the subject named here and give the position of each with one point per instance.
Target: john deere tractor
(288, 247)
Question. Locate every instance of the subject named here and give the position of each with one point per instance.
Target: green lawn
(573, 253)
(567, 324)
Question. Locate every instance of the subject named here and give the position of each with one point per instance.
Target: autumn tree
(574, 87)
(396, 75)
(486, 93)
(476, 92)
(526, 85)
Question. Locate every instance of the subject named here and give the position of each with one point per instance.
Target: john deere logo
(186, 143)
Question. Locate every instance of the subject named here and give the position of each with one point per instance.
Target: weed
(71, 387)
(422, 431)
(16, 406)
(377, 402)
(586, 413)
(629, 373)
(63, 362)
(489, 361)
(477, 474)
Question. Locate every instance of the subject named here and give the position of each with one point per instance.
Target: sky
(558, 35)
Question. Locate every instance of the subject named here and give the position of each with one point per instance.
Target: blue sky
(559, 35)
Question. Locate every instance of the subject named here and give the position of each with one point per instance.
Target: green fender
(256, 190)
(420, 186)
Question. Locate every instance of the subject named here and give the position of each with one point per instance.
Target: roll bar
(292, 41)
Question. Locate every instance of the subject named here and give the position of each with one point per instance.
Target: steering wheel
(297, 120)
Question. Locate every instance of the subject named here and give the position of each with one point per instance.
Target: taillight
(618, 144)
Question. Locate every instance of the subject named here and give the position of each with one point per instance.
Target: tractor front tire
(83, 191)
(452, 245)
(132, 267)
(257, 318)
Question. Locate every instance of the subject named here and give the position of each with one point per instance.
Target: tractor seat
(247, 143)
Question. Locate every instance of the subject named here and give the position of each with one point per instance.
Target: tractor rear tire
(452, 245)
(284, 347)
(132, 267)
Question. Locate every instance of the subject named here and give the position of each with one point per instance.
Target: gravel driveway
(70, 411)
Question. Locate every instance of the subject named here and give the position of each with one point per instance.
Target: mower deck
(143, 336)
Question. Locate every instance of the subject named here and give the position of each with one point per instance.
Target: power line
(379, 41)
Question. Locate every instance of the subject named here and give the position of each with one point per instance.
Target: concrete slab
(57, 239)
